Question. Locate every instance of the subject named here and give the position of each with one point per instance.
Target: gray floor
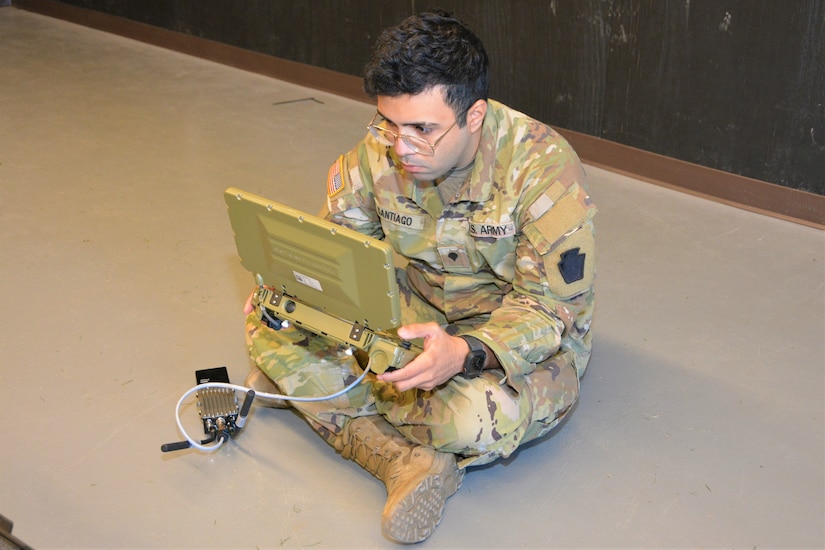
(701, 418)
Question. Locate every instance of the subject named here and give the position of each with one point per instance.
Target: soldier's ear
(476, 114)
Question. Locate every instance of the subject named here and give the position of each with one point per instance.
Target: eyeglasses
(417, 144)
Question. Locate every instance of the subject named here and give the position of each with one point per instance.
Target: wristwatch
(475, 360)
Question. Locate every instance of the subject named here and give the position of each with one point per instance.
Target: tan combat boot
(419, 479)
(260, 382)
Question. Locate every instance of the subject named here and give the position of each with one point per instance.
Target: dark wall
(737, 85)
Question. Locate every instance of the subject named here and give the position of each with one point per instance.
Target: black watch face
(474, 363)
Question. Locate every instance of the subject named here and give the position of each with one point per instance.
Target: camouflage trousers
(480, 419)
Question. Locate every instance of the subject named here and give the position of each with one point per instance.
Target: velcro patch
(571, 265)
(411, 221)
(547, 200)
(570, 212)
(335, 178)
(492, 231)
(570, 268)
(453, 256)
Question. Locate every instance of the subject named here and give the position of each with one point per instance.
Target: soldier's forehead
(427, 108)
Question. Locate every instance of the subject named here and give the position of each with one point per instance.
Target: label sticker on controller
(308, 281)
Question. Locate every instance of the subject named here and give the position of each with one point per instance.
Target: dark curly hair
(427, 50)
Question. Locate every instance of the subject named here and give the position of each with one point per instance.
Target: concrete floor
(700, 422)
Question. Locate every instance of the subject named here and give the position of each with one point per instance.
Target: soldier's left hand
(442, 358)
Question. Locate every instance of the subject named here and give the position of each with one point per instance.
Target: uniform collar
(479, 187)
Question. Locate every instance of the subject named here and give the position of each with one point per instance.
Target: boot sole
(415, 517)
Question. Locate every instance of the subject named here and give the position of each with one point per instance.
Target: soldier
(490, 209)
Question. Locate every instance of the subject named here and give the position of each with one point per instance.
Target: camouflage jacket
(512, 254)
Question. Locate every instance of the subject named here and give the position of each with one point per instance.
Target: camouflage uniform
(508, 259)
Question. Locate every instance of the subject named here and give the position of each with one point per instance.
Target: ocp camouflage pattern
(509, 259)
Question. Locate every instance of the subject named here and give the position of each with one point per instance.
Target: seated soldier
(490, 209)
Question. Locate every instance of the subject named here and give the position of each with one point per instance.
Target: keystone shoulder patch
(571, 265)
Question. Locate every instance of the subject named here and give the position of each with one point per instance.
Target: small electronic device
(218, 407)
(323, 277)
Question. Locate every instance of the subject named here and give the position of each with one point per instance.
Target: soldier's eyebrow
(418, 124)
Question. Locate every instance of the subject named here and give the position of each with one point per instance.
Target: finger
(247, 308)
(416, 330)
(409, 372)
(399, 375)
(404, 383)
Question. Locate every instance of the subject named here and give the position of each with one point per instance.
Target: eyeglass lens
(388, 137)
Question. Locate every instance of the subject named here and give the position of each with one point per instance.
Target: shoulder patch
(567, 214)
(335, 177)
(547, 200)
(571, 265)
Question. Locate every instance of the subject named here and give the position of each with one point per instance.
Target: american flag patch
(335, 181)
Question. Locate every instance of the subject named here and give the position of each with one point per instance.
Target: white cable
(263, 395)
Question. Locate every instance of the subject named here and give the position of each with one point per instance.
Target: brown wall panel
(732, 85)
